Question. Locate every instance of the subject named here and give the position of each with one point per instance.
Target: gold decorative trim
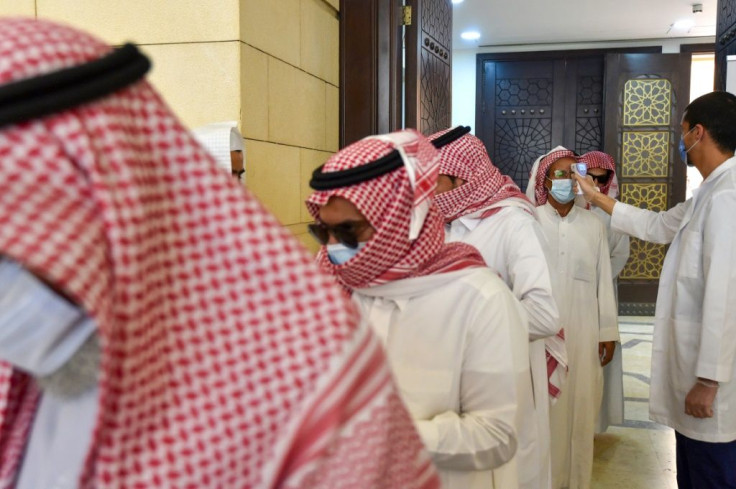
(645, 154)
(652, 196)
(647, 102)
(645, 261)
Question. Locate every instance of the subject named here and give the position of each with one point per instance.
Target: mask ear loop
(696, 142)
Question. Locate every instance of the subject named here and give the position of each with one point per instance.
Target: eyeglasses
(560, 174)
(345, 232)
(601, 179)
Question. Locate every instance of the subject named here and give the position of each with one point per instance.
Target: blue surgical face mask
(561, 190)
(683, 150)
(339, 253)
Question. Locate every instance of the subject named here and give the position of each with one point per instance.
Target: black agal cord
(377, 168)
(60, 90)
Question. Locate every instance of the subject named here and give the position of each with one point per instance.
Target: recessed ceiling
(561, 21)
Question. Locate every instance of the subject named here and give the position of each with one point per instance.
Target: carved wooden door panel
(583, 130)
(646, 95)
(518, 108)
(428, 66)
(725, 39)
(529, 107)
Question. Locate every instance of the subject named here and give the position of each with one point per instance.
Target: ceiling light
(457, 1)
(683, 24)
(470, 35)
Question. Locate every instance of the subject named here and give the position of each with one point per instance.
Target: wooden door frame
(370, 68)
(698, 48)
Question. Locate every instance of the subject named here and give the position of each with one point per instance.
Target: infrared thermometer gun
(581, 169)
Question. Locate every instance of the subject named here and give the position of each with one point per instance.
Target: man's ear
(702, 131)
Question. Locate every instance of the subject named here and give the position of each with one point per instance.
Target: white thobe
(612, 405)
(580, 269)
(450, 340)
(695, 320)
(618, 243)
(60, 440)
(512, 243)
(40, 332)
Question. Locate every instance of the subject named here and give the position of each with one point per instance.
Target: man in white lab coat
(580, 268)
(487, 210)
(692, 386)
(450, 326)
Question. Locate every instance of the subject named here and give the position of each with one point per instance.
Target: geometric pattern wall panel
(645, 261)
(647, 102)
(523, 92)
(435, 93)
(588, 134)
(590, 90)
(652, 196)
(589, 114)
(518, 143)
(645, 154)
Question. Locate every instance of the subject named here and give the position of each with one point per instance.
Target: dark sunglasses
(345, 232)
(600, 178)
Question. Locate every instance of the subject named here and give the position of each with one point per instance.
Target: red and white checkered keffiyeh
(599, 159)
(555, 353)
(486, 188)
(228, 360)
(539, 172)
(398, 205)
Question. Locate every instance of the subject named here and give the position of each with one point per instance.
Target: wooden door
(645, 98)
(528, 107)
(379, 91)
(725, 39)
(428, 81)
(518, 121)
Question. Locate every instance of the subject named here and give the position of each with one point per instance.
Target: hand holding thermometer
(581, 168)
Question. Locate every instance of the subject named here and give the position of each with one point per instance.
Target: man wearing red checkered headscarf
(602, 168)
(446, 320)
(195, 344)
(485, 209)
(580, 269)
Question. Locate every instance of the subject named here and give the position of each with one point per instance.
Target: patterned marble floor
(639, 454)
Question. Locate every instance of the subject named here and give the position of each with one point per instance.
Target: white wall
(463, 88)
(464, 66)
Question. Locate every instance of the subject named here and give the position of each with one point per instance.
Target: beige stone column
(272, 65)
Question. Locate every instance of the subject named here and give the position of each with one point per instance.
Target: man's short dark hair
(716, 112)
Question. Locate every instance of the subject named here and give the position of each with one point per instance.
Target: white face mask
(39, 330)
(339, 253)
